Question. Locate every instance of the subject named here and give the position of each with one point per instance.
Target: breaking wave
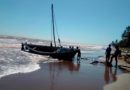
(15, 61)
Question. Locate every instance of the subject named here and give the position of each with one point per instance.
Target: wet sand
(121, 84)
(63, 75)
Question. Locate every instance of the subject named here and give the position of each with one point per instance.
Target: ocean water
(13, 60)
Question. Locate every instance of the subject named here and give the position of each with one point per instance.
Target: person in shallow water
(108, 54)
(78, 55)
(115, 55)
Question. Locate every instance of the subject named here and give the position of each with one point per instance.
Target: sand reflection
(61, 75)
(110, 74)
(69, 65)
(56, 70)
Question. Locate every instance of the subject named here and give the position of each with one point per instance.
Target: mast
(53, 26)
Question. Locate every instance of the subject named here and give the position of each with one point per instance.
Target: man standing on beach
(115, 55)
(79, 54)
(108, 54)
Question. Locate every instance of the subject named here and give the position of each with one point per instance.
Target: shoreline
(50, 74)
(61, 76)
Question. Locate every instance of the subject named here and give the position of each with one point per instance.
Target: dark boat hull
(48, 50)
(65, 56)
(41, 47)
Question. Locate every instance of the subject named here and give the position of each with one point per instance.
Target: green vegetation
(125, 41)
(126, 50)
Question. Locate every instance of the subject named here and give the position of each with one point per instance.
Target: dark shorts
(108, 55)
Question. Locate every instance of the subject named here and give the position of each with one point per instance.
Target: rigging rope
(56, 29)
(51, 32)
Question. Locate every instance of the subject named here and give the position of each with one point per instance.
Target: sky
(81, 21)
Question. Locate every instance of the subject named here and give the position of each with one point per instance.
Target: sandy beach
(62, 75)
(24, 71)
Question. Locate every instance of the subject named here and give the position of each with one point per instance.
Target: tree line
(125, 39)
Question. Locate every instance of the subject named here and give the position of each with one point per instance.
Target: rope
(56, 29)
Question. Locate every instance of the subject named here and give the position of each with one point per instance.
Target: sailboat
(54, 51)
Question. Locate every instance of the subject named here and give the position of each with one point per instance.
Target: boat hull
(40, 47)
(64, 56)
(54, 52)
